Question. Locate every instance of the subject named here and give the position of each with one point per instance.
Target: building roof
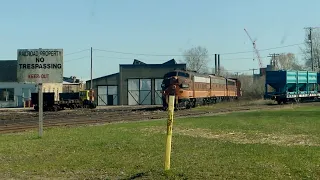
(71, 79)
(170, 62)
(66, 82)
(8, 70)
(139, 63)
(114, 74)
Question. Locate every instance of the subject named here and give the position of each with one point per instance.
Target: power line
(143, 54)
(113, 57)
(76, 52)
(110, 57)
(83, 50)
(77, 58)
(161, 60)
(279, 47)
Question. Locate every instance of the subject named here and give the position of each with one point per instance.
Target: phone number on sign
(34, 76)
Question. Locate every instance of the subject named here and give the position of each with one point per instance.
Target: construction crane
(255, 49)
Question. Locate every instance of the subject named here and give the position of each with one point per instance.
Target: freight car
(66, 100)
(191, 89)
(291, 86)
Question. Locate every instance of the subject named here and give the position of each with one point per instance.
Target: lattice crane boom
(255, 49)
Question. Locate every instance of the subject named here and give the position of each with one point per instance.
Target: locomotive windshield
(183, 74)
(82, 93)
(174, 73)
(170, 74)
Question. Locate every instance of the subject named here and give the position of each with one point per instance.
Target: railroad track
(99, 117)
(20, 116)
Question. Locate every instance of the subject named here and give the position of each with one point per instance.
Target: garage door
(133, 91)
(145, 91)
(139, 91)
(157, 94)
(107, 95)
(102, 95)
(112, 95)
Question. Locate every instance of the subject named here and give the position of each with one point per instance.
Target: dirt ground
(15, 120)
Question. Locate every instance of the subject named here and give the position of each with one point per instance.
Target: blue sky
(153, 27)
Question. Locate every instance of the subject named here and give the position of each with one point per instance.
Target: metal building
(135, 84)
(14, 94)
(72, 84)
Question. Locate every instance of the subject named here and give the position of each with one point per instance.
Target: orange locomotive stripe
(199, 94)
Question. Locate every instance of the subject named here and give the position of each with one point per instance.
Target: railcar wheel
(279, 101)
(188, 105)
(193, 104)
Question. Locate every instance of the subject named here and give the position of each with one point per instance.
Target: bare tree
(223, 72)
(315, 37)
(252, 89)
(288, 62)
(197, 59)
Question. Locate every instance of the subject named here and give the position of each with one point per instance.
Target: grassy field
(280, 144)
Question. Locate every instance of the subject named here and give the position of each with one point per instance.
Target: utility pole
(310, 41)
(237, 73)
(91, 96)
(253, 79)
(91, 86)
(273, 59)
(253, 71)
(311, 54)
(311, 49)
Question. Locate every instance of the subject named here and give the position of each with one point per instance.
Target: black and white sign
(40, 65)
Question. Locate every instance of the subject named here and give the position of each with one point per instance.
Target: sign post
(40, 66)
(169, 131)
(40, 105)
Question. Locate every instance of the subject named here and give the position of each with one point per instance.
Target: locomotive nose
(173, 80)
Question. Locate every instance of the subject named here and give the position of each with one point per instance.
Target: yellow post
(169, 131)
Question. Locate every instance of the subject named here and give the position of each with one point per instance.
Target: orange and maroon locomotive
(191, 89)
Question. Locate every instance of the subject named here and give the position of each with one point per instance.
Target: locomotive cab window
(82, 93)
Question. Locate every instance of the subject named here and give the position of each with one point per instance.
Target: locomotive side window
(184, 86)
(231, 83)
